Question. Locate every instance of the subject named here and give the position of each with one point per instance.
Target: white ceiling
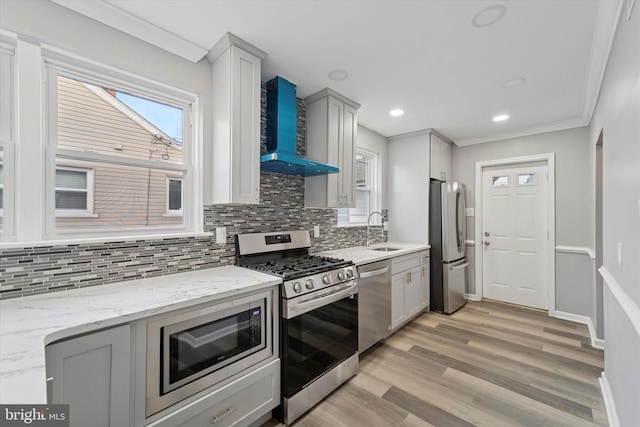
(425, 56)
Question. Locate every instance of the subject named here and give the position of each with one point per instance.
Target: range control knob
(349, 273)
(297, 288)
(340, 275)
(326, 279)
(309, 284)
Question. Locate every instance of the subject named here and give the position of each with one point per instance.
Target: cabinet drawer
(424, 257)
(236, 404)
(405, 262)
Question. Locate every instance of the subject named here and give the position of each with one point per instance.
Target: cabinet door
(92, 374)
(398, 305)
(245, 143)
(347, 162)
(335, 140)
(435, 156)
(412, 292)
(445, 161)
(424, 289)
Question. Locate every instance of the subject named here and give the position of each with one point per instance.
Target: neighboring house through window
(367, 191)
(174, 196)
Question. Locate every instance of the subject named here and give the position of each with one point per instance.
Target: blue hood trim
(281, 134)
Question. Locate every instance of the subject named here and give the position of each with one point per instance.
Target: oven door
(319, 331)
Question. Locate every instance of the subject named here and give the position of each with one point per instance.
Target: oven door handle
(296, 308)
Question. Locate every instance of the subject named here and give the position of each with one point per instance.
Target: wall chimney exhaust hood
(281, 134)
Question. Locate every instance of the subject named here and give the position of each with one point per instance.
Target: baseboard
(472, 297)
(609, 404)
(585, 320)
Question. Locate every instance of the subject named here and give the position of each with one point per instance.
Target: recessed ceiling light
(489, 16)
(514, 82)
(397, 112)
(338, 75)
(500, 117)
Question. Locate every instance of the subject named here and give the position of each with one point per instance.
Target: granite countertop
(28, 324)
(364, 255)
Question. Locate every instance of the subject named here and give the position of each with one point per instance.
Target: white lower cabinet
(409, 287)
(238, 403)
(92, 374)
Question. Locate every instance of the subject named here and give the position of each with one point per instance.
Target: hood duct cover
(281, 134)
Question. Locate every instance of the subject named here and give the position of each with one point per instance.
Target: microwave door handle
(302, 307)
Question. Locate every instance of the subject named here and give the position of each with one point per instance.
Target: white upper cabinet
(332, 126)
(232, 159)
(440, 158)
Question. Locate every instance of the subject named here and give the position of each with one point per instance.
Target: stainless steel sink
(385, 249)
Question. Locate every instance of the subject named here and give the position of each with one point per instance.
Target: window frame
(8, 44)
(168, 210)
(58, 63)
(374, 190)
(61, 213)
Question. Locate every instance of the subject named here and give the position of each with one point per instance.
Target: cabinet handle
(219, 417)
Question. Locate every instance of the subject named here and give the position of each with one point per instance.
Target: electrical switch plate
(316, 231)
(470, 211)
(619, 251)
(221, 235)
(385, 225)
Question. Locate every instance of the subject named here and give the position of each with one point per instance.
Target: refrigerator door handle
(460, 266)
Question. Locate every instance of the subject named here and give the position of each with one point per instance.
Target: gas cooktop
(295, 267)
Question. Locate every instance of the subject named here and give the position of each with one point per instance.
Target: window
(7, 126)
(174, 196)
(527, 179)
(74, 191)
(120, 155)
(367, 193)
(500, 181)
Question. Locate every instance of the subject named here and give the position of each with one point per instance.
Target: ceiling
(425, 57)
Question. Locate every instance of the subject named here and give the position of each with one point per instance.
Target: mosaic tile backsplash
(31, 271)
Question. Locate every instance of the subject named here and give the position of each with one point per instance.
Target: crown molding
(111, 15)
(605, 30)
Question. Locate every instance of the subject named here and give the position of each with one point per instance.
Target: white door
(515, 235)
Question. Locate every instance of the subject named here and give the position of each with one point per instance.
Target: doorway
(515, 231)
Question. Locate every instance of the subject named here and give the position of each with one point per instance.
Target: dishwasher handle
(379, 272)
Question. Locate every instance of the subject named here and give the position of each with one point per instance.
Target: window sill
(172, 215)
(58, 240)
(76, 215)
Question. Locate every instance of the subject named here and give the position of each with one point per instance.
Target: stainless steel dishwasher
(374, 303)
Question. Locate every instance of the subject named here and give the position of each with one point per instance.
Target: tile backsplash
(34, 270)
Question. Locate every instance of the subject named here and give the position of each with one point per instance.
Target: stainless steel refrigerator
(447, 231)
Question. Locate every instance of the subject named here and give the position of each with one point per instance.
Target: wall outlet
(316, 231)
(221, 235)
(619, 253)
(385, 225)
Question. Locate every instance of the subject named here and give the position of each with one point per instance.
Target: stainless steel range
(319, 324)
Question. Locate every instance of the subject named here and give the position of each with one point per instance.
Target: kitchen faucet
(368, 225)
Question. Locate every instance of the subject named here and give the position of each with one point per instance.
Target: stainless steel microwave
(193, 350)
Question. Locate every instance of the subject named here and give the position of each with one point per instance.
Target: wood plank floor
(489, 364)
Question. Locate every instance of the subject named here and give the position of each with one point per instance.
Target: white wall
(617, 115)
(374, 142)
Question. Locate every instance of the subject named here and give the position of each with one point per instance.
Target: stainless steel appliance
(194, 349)
(374, 303)
(447, 231)
(319, 324)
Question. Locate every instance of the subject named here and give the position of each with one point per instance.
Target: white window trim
(89, 191)
(374, 189)
(57, 62)
(8, 43)
(174, 212)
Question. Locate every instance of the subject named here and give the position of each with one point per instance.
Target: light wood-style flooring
(489, 364)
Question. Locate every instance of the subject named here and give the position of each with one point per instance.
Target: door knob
(486, 243)
(486, 233)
